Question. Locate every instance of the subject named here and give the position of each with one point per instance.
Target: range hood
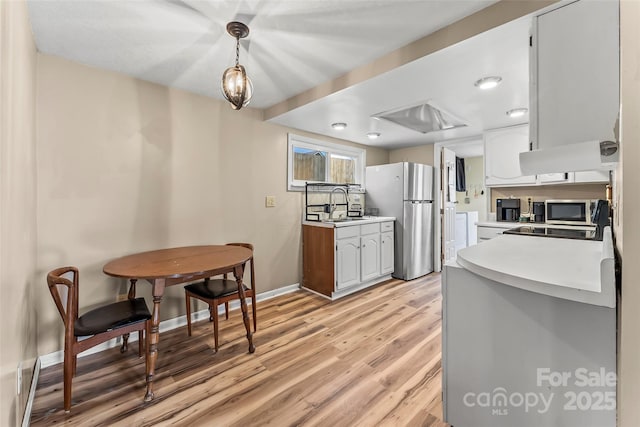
(582, 156)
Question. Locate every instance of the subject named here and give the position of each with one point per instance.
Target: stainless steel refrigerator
(405, 190)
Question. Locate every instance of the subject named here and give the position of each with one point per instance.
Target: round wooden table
(168, 267)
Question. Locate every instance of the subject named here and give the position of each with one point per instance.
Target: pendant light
(236, 85)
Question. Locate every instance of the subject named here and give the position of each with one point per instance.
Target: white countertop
(348, 223)
(576, 270)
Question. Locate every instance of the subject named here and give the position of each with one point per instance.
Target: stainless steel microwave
(569, 212)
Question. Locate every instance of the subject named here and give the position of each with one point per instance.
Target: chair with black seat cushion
(217, 291)
(99, 325)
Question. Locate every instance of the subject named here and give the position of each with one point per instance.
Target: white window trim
(360, 154)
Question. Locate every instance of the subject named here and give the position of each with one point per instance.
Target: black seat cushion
(215, 288)
(112, 316)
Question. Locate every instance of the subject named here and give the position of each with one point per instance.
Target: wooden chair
(100, 324)
(217, 291)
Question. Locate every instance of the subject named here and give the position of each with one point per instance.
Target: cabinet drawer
(386, 226)
(370, 228)
(485, 233)
(344, 232)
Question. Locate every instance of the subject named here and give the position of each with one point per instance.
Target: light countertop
(576, 270)
(349, 222)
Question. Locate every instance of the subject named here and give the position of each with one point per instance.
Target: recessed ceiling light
(517, 112)
(488, 82)
(338, 125)
(373, 135)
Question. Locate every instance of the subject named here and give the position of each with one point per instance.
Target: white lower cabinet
(369, 256)
(386, 252)
(340, 260)
(363, 254)
(347, 262)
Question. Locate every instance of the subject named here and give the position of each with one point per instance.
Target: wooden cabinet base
(317, 259)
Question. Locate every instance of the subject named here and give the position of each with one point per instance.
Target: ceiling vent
(423, 118)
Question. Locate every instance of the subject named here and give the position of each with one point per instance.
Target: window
(318, 161)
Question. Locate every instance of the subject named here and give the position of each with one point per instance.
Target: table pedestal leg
(153, 337)
(237, 272)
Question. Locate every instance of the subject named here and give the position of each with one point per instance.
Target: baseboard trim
(316, 293)
(56, 357)
(26, 418)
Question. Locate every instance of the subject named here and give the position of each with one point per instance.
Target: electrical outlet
(19, 379)
(270, 201)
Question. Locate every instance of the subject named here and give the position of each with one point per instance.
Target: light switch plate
(270, 201)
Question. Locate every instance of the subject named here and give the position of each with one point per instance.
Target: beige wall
(127, 166)
(476, 192)
(629, 368)
(421, 154)
(17, 207)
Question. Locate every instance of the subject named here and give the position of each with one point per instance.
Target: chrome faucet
(332, 204)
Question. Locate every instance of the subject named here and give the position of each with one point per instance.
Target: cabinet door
(549, 178)
(575, 74)
(386, 253)
(370, 256)
(502, 148)
(347, 262)
(591, 176)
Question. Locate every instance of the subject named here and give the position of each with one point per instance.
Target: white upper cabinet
(574, 93)
(502, 148)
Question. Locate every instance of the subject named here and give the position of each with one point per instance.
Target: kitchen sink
(345, 219)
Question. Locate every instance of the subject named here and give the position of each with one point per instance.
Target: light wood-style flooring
(369, 359)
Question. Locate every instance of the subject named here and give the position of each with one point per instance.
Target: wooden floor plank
(371, 358)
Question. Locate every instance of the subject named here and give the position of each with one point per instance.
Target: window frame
(358, 154)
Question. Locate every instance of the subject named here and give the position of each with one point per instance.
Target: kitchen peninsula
(529, 333)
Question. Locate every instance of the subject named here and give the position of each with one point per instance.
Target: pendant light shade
(236, 85)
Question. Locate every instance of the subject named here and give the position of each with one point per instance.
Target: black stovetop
(564, 233)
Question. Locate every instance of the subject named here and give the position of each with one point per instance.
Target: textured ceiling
(294, 45)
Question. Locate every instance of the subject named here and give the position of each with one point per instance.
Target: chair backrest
(63, 285)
